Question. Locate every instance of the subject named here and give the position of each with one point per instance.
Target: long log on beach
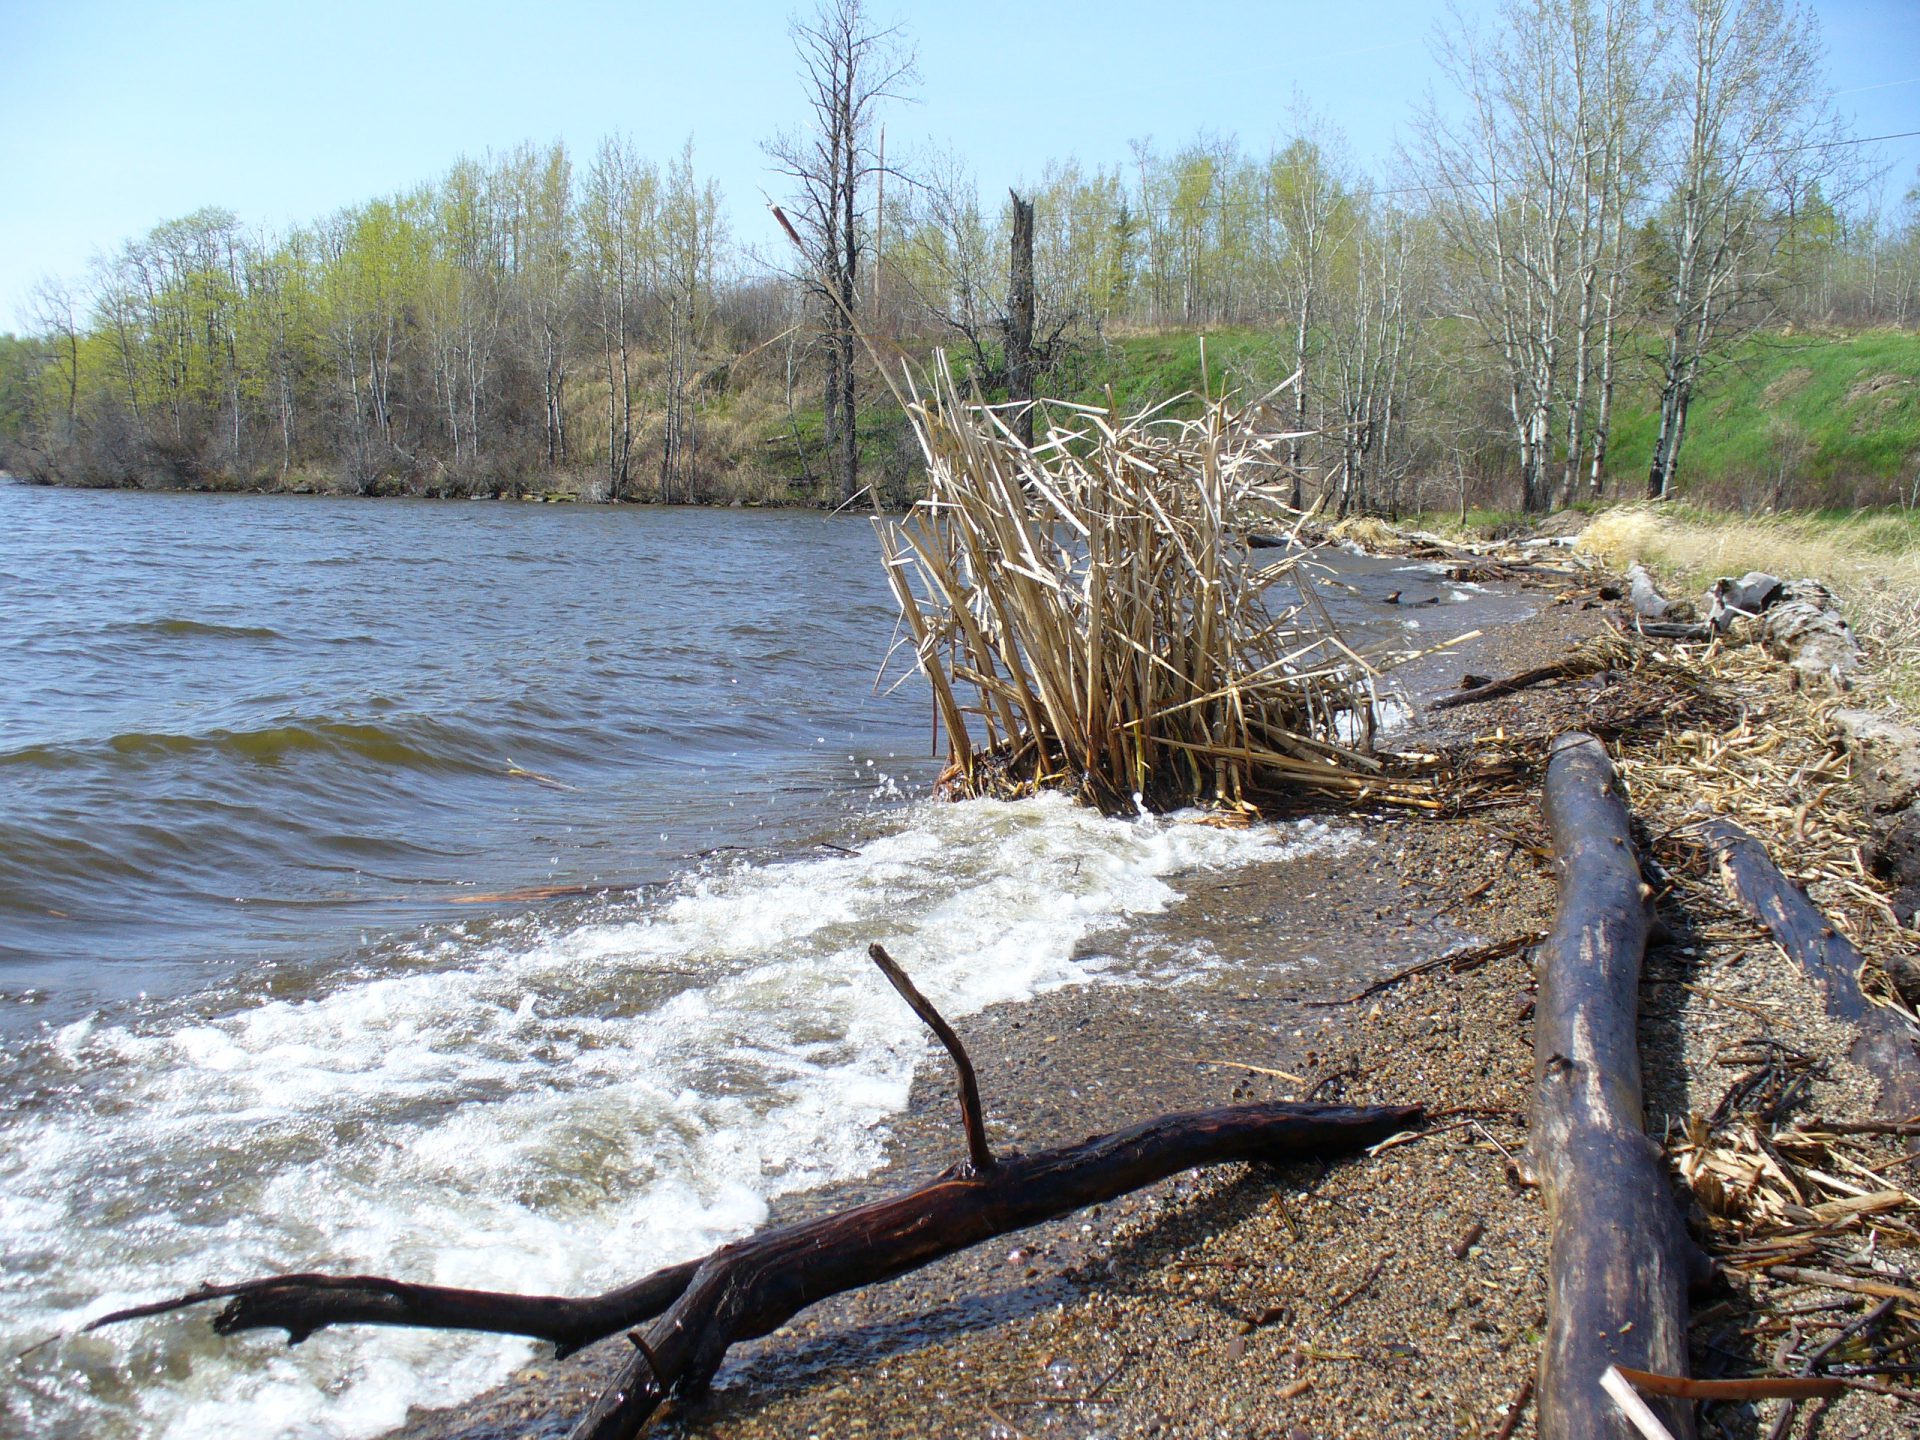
(700, 1309)
(1884, 1046)
(1619, 1259)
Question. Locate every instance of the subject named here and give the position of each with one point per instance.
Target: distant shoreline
(529, 497)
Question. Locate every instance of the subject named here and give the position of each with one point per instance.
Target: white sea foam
(549, 1109)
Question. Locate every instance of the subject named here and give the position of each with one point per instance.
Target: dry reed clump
(1090, 617)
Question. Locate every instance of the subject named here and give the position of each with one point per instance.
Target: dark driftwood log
(755, 1285)
(1619, 1260)
(1885, 1044)
(1571, 669)
(304, 1304)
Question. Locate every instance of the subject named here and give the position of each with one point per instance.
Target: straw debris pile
(1091, 618)
(1796, 1211)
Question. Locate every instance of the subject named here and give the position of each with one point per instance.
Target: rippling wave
(299, 708)
(418, 744)
(200, 628)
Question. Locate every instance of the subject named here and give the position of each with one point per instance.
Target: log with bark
(1885, 1043)
(751, 1287)
(1804, 628)
(1619, 1260)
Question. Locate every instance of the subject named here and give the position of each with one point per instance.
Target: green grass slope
(1798, 421)
(1831, 420)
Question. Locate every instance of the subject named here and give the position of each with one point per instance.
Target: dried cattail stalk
(1090, 616)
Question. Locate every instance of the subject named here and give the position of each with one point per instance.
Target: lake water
(476, 894)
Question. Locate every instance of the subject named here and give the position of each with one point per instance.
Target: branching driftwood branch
(1619, 1259)
(701, 1308)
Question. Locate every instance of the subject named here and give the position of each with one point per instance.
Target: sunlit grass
(1803, 418)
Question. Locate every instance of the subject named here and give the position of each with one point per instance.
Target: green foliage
(19, 375)
(514, 326)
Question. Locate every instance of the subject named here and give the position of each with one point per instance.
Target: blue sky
(118, 115)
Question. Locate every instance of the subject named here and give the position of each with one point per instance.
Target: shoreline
(891, 1360)
(1401, 1294)
(531, 497)
(895, 1360)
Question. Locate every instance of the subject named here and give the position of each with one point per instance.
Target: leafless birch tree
(1306, 198)
(849, 66)
(622, 194)
(1754, 136)
(1611, 53)
(1507, 180)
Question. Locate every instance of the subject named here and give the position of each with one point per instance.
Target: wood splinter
(698, 1310)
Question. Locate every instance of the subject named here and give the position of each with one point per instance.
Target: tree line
(1602, 196)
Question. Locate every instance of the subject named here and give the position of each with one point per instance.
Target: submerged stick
(1619, 1259)
(1885, 1047)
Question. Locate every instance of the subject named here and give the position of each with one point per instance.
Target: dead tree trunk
(755, 1285)
(1020, 318)
(1885, 1044)
(1619, 1259)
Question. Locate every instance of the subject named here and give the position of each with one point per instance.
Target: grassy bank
(1870, 559)
(1803, 420)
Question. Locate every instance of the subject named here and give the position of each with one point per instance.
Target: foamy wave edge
(507, 1114)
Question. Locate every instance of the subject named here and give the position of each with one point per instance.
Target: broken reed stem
(1089, 615)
